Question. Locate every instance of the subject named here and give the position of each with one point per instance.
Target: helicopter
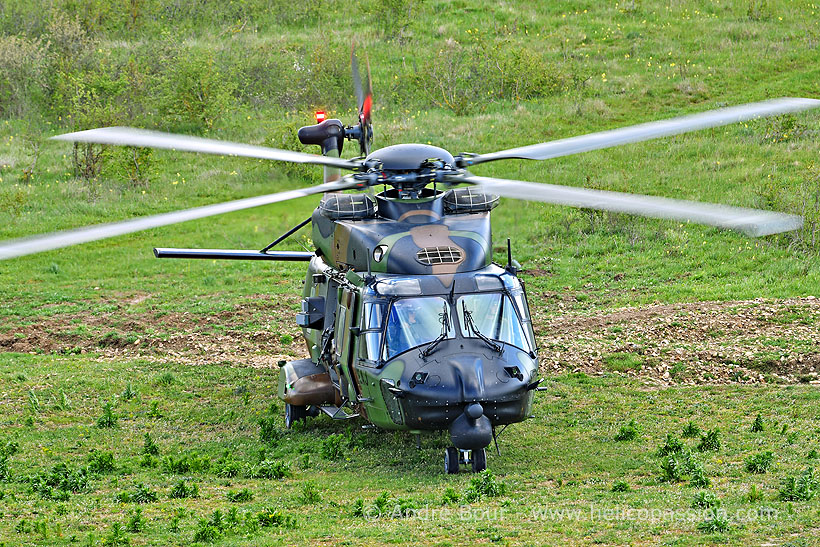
(408, 322)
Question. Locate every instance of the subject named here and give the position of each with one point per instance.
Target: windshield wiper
(445, 328)
(468, 322)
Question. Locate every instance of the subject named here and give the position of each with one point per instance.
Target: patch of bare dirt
(693, 343)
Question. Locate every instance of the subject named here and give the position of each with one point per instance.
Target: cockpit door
(345, 342)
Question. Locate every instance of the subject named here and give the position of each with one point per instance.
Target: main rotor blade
(752, 222)
(129, 136)
(651, 130)
(30, 245)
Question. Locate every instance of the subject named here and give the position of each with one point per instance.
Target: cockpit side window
(373, 314)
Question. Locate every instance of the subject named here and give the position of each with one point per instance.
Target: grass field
(652, 321)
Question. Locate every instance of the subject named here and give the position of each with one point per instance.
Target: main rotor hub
(409, 167)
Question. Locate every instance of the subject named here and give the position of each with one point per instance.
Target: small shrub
(627, 432)
(671, 470)
(759, 463)
(310, 494)
(101, 462)
(9, 448)
(149, 461)
(239, 496)
(270, 518)
(620, 486)
(697, 476)
(755, 494)
(690, 430)
(449, 497)
(59, 482)
(226, 466)
(128, 393)
(358, 506)
(333, 447)
(706, 500)
(117, 537)
(673, 445)
(140, 494)
(710, 441)
(149, 447)
(812, 455)
(207, 532)
(800, 488)
(33, 402)
(5, 472)
(154, 412)
(137, 522)
(482, 485)
(270, 469)
(269, 432)
(757, 425)
(716, 522)
(166, 379)
(108, 419)
(182, 490)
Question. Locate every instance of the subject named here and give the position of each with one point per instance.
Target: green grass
(561, 491)
(616, 64)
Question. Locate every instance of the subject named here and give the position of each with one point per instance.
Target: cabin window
(372, 321)
(494, 316)
(412, 322)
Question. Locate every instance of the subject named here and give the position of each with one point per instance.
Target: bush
(239, 496)
(690, 430)
(24, 76)
(671, 470)
(627, 432)
(137, 522)
(270, 469)
(716, 522)
(710, 441)
(758, 426)
(108, 419)
(482, 485)
(269, 518)
(333, 447)
(182, 490)
(310, 494)
(101, 462)
(800, 488)
(620, 486)
(269, 432)
(139, 494)
(759, 463)
(59, 482)
(673, 445)
(706, 500)
(149, 447)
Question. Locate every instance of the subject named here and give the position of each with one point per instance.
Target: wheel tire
(479, 460)
(294, 413)
(451, 460)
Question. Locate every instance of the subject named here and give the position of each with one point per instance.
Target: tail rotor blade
(752, 222)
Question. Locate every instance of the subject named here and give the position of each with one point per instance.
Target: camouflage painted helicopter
(408, 321)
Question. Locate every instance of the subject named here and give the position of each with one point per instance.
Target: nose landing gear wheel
(479, 460)
(294, 413)
(451, 460)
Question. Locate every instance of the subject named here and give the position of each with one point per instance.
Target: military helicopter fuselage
(407, 320)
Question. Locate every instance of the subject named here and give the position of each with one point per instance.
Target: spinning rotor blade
(364, 102)
(752, 222)
(36, 244)
(651, 130)
(129, 136)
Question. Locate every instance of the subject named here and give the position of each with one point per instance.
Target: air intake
(347, 206)
(439, 255)
(468, 200)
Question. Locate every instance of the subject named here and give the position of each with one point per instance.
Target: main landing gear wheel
(451, 460)
(479, 460)
(294, 413)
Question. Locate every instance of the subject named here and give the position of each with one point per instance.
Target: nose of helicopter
(467, 388)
